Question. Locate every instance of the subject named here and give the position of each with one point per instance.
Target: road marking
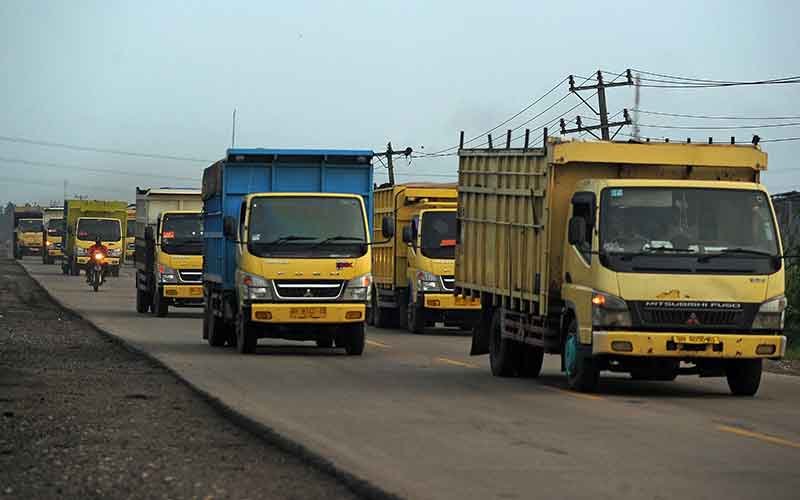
(453, 362)
(575, 394)
(375, 343)
(757, 435)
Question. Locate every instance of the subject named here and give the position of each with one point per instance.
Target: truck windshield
(105, 229)
(130, 229)
(30, 226)
(438, 235)
(55, 227)
(307, 227)
(688, 230)
(182, 234)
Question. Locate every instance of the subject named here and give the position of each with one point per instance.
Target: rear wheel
(582, 373)
(504, 353)
(744, 376)
(213, 329)
(159, 306)
(246, 338)
(531, 362)
(142, 302)
(381, 317)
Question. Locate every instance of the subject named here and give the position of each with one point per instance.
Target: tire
(246, 339)
(159, 306)
(213, 329)
(416, 318)
(504, 354)
(142, 302)
(115, 272)
(582, 372)
(74, 270)
(531, 362)
(381, 317)
(95, 285)
(402, 310)
(744, 376)
(352, 339)
(325, 343)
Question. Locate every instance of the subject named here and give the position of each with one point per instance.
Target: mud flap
(480, 333)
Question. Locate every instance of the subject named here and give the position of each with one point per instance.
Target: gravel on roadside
(82, 417)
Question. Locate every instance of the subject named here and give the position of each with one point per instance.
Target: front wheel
(582, 372)
(142, 301)
(416, 318)
(160, 308)
(744, 376)
(213, 329)
(246, 338)
(325, 343)
(352, 338)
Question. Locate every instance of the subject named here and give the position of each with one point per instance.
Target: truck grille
(191, 275)
(693, 315)
(308, 290)
(449, 283)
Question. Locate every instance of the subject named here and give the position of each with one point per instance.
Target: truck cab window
(583, 207)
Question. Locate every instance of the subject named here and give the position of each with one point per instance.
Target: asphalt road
(420, 418)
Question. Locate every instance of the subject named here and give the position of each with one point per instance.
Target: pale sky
(163, 77)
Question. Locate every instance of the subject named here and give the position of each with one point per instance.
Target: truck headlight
(167, 274)
(114, 252)
(609, 310)
(771, 314)
(80, 251)
(428, 282)
(254, 287)
(358, 288)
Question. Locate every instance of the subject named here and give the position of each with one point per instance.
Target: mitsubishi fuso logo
(693, 321)
(308, 293)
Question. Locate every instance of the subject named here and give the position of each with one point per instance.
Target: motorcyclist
(97, 247)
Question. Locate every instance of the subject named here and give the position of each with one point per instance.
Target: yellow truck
(88, 220)
(28, 237)
(656, 260)
(169, 249)
(52, 234)
(413, 272)
(130, 234)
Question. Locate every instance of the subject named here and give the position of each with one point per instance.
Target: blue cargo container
(246, 171)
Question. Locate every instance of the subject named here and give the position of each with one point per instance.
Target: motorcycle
(96, 270)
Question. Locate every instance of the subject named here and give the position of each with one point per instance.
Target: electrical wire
(711, 117)
(22, 140)
(96, 170)
(704, 80)
(58, 185)
(730, 127)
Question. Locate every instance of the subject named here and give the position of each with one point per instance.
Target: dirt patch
(784, 366)
(81, 417)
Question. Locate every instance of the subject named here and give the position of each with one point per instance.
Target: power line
(710, 117)
(708, 81)
(22, 140)
(97, 170)
(58, 184)
(730, 127)
(523, 110)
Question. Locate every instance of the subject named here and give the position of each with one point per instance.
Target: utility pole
(389, 154)
(389, 162)
(233, 129)
(600, 87)
(636, 109)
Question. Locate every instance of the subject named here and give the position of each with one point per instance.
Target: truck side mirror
(149, 234)
(387, 227)
(408, 235)
(577, 230)
(229, 227)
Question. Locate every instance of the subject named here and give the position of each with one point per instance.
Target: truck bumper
(451, 301)
(111, 261)
(688, 345)
(307, 313)
(55, 252)
(183, 292)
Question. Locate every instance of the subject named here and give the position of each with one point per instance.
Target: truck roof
(233, 152)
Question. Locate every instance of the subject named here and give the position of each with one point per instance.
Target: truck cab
(414, 272)
(29, 237)
(108, 230)
(661, 270)
(53, 240)
(287, 247)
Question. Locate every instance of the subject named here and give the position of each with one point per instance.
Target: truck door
(579, 256)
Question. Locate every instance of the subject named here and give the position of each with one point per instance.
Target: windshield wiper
(729, 251)
(283, 239)
(651, 251)
(338, 238)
